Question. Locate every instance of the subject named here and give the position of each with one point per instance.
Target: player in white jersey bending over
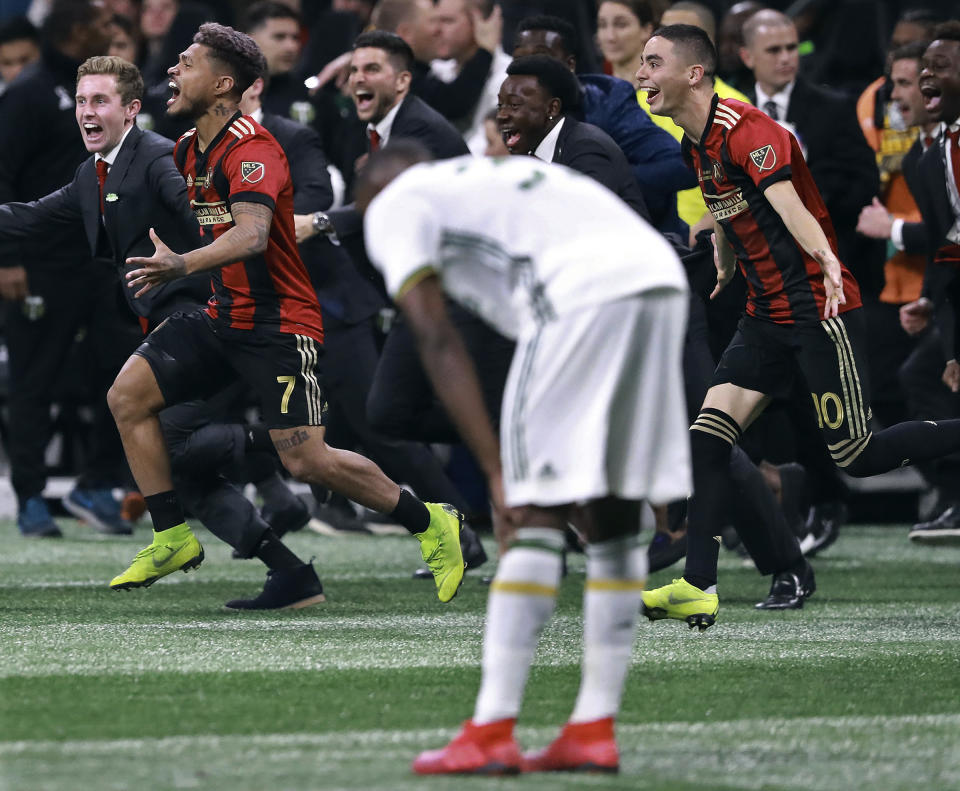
(593, 417)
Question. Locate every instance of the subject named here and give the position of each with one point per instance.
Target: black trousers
(402, 404)
(350, 371)
(87, 298)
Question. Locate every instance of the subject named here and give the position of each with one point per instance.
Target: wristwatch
(321, 223)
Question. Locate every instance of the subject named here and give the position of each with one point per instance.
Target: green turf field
(162, 689)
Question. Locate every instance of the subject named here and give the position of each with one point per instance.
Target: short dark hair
(926, 17)
(398, 51)
(385, 165)
(947, 31)
(18, 28)
(63, 17)
(694, 42)
(912, 51)
(236, 50)
(261, 12)
(555, 78)
(569, 39)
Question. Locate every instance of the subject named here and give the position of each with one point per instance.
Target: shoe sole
(701, 620)
(297, 605)
(940, 538)
(487, 770)
(193, 563)
(585, 768)
(93, 520)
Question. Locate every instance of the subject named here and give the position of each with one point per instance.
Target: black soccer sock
(899, 445)
(165, 510)
(275, 554)
(411, 513)
(712, 437)
(257, 438)
(759, 520)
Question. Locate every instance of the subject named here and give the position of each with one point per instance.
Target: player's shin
(522, 598)
(616, 575)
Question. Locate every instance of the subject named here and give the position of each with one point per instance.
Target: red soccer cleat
(580, 747)
(478, 749)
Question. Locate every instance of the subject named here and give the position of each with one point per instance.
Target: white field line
(376, 740)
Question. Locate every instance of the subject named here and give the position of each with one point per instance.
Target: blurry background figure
(469, 32)
(19, 47)
(125, 42)
(622, 30)
(729, 41)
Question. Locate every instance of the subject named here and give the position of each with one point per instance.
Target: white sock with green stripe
(616, 574)
(522, 597)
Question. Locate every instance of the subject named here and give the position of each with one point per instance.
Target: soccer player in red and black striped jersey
(262, 324)
(803, 321)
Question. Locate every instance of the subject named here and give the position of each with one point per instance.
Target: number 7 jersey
(268, 292)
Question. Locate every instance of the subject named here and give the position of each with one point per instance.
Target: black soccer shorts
(193, 357)
(827, 356)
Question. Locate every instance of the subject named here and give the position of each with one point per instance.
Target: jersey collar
(202, 157)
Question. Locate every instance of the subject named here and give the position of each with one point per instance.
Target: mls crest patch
(252, 172)
(764, 158)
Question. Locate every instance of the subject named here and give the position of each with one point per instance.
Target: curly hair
(129, 80)
(555, 78)
(235, 50)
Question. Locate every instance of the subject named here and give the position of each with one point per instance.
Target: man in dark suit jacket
(825, 122)
(535, 116)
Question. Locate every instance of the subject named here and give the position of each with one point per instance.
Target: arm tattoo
(255, 219)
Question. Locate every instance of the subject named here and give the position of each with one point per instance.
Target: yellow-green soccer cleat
(440, 547)
(178, 549)
(682, 601)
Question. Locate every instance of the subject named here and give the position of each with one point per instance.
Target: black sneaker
(665, 549)
(289, 518)
(945, 529)
(474, 554)
(287, 589)
(788, 590)
(823, 526)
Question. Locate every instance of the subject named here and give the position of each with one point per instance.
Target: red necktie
(102, 168)
(955, 155)
(927, 141)
(374, 140)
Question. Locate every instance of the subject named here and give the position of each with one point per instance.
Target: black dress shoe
(945, 529)
(285, 589)
(823, 526)
(789, 589)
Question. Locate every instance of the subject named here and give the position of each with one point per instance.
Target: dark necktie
(771, 109)
(374, 140)
(102, 168)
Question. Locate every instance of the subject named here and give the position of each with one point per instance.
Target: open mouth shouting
(931, 97)
(93, 134)
(174, 92)
(652, 93)
(511, 138)
(364, 100)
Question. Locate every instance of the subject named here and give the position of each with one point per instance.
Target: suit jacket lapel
(565, 131)
(115, 176)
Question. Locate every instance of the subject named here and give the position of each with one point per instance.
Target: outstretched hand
(832, 282)
(163, 266)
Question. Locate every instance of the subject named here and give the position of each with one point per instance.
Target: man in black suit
(934, 181)
(39, 151)
(825, 122)
(534, 116)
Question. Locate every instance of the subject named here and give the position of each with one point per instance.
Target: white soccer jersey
(518, 241)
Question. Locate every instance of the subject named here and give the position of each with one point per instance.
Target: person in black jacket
(39, 151)
(534, 116)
